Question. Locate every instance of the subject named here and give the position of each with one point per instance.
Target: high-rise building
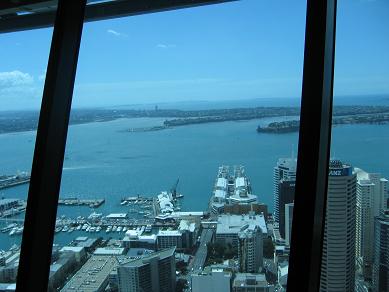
(154, 273)
(338, 259)
(286, 190)
(250, 248)
(288, 222)
(211, 280)
(371, 199)
(229, 226)
(285, 170)
(246, 282)
(381, 252)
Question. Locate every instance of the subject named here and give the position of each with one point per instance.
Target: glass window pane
(23, 59)
(184, 123)
(357, 189)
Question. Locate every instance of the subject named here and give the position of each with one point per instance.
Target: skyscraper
(250, 248)
(338, 259)
(285, 169)
(381, 252)
(154, 273)
(288, 222)
(371, 199)
(286, 195)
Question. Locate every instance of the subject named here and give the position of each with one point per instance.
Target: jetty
(93, 203)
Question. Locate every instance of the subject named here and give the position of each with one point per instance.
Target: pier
(8, 181)
(93, 203)
(138, 199)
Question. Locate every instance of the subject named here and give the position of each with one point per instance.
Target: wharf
(137, 199)
(8, 181)
(93, 203)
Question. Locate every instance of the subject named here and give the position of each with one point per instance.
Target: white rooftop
(220, 194)
(173, 232)
(234, 223)
(109, 251)
(72, 248)
(117, 216)
(221, 183)
(240, 182)
(186, 225)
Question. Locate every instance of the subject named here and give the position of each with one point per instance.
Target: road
(201, 254)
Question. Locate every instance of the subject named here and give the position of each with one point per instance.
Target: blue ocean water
(104, 161)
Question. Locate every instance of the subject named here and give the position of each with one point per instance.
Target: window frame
(314, 134)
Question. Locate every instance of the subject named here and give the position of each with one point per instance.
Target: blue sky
(242, 50)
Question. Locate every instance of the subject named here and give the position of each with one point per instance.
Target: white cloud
(166, 46)
(116, 33)
(15, 78)
(19, 90)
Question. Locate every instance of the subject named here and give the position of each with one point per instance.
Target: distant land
(17, 121)
(294, 125)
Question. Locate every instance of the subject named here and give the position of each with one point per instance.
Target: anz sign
(346, 171)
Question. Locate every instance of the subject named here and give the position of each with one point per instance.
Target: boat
(124, 229)
(94, 216)
(71, 229)
(114, 228)
(109, 229)
(123, 203)
(119, 229)
(98, 229)
(58, 229)
(92, 229)
(88, 228)
(65, 228)
(9, 227)
(12, 232)
(19, 230)
(78, 227)
(84, 227)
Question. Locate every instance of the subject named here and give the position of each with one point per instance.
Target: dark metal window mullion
(37, 241)
(314, 147)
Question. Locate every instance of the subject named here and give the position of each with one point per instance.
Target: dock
(8, 181)
(93, 203)
(139, 199)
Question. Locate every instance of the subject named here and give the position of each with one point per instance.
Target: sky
(241, 50)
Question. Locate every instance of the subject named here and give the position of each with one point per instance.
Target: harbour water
(104, 161)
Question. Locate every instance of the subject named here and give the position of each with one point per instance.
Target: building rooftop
(160, 254)
(243, 197)
(117, 216)
(72, 248)
(220, 194)
(170, 232)
(250, 280)
(240, 182)
(109, 251)
(221, 183)
(93, 275)
(234, 223)
(186, 225)
(82, 238)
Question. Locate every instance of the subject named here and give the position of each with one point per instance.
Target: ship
(230, 188)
